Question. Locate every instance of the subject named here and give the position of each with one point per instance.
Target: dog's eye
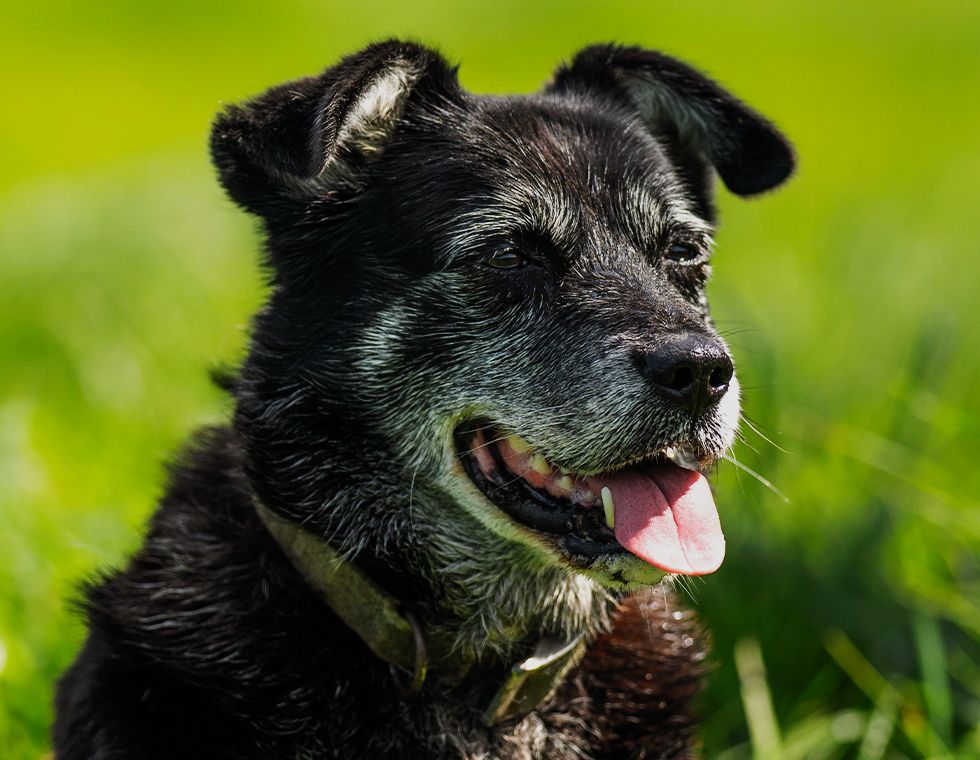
(507, 258)
(683, 253)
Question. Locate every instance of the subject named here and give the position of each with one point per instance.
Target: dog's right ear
(303, 140)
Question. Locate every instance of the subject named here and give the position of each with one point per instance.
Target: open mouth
(657, 509)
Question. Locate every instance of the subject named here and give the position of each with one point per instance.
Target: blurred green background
(846, 620)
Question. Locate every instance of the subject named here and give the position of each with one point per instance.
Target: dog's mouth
(660, 509)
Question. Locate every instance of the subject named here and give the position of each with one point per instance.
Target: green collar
(395, 636)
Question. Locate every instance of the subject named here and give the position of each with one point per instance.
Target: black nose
(692, 369)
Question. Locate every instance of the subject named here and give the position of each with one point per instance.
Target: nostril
(680, 379)
(720, 376)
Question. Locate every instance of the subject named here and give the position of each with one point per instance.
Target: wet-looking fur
(384, 189)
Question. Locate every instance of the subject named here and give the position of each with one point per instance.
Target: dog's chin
(629, 525)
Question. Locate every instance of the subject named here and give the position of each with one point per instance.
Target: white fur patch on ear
(364, 130)
(371, 119)
(658, 103)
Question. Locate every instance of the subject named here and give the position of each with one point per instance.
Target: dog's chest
(630, 696)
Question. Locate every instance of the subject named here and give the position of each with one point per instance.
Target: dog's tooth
(564, 483)
(518, 444)
(608, 507)
(682, 457)
(540, 465)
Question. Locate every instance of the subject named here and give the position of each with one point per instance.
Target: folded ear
(704, 122)
(304, 139)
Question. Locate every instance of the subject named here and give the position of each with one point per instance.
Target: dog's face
(496, 305)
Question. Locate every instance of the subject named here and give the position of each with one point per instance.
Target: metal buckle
(532, 681)
(420, 669)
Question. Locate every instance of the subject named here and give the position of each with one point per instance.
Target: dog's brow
(681, 217)
(467, 235)
(509, 217)
(653, 205)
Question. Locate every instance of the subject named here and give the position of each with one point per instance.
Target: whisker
(411, 494)
(491, 426)
(755, 429)
(739, 331)
(483, 445)
(740, 437)
(749, 471)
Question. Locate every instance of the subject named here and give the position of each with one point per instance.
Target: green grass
(846, 622)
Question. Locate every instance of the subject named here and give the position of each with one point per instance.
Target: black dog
(473, 419)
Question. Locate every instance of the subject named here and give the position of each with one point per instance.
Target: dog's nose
(694, 370)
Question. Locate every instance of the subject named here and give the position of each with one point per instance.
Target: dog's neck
(493, 599)
(494, 596)
(395, 635)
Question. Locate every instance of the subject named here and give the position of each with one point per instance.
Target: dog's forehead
(571, 146)
(572, 168)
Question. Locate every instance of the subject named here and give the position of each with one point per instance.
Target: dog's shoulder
(202, 629)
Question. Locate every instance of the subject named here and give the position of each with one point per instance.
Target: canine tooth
(608, 507)
(564, 483)
(518, 444)
(540, 465)
(681, 457)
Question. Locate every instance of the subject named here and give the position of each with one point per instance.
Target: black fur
(686, 107)
(383, 188)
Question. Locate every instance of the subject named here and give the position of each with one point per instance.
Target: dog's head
(490, 311)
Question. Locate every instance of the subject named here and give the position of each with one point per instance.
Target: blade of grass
(970, 745)
(880, 691)
(964, 671)
(935, 681)
(757, 700)
(821, 737)
(881, 727)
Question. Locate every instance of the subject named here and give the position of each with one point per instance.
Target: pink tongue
(666, 516)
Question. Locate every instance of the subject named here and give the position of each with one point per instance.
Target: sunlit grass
(846, 621)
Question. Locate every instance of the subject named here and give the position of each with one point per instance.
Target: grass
(846, 622)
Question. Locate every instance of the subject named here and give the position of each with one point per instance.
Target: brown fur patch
(636, 684)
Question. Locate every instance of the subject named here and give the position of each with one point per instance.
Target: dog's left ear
(300, 142)
(701, 122)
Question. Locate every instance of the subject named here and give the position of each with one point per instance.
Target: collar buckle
(532, 681)
(410, 689)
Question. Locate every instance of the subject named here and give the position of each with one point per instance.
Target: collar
(398, 638)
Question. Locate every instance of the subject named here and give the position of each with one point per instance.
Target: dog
(469, 437)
